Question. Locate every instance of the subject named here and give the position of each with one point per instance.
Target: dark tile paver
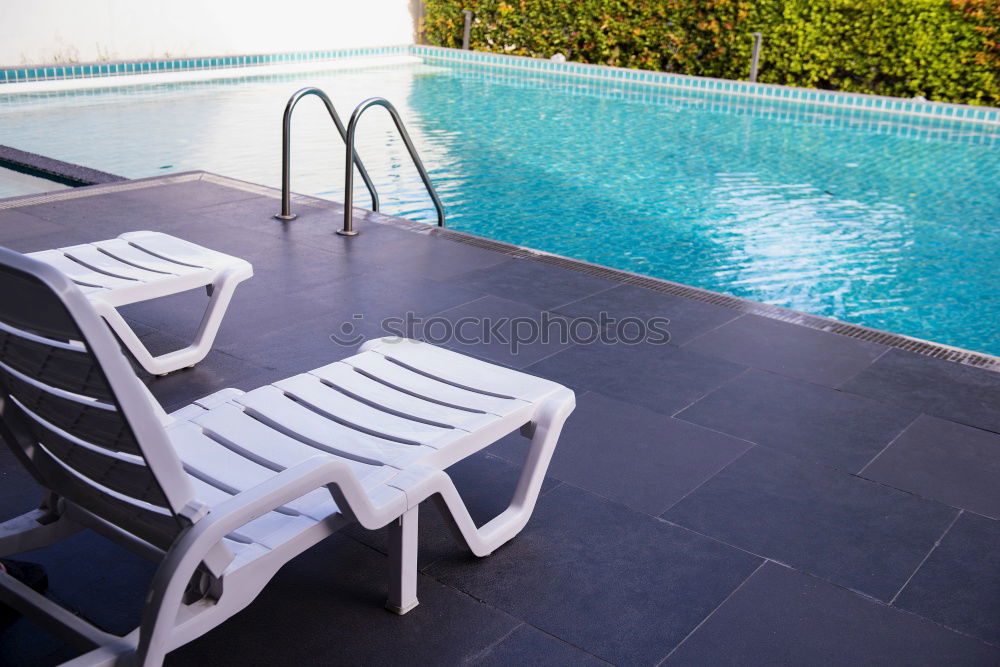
(959, 584)
(788, 349)
(276, 299)
(326, 608)
(498, 330)
(956, 464)
(614, 582)
(16, 225)
(659, 377)
(316, 226)
(105, 215)
(536, 284)
(641, 458)
(949, 390)
(784, 617)
(186, 196)
(847, 530)
(60, 237)
(688, 318)
(443, 261)
(217, 371)
(529, 646)
(808, 420)
(304, 345)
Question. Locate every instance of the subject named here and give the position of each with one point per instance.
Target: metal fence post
(467, 31)
(755, 60)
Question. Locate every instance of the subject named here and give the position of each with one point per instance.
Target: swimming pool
(893, 223)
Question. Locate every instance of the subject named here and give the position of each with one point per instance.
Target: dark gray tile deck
(186, 196)
(499, 330)
(537, 284)
(61, 236)
(789, 349)
(595, 575)
(102, 210)
(18, 225)
(811, 421)
(956, 464)
(959, 584)
(618, 584)
(635, 456)
(852, 532)
(528, 646)
(783, 617)
(952, 391)
(659, 377)
(688, 318)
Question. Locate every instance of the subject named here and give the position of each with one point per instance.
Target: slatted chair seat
(231, 441)
(139, 266)
(226, 490)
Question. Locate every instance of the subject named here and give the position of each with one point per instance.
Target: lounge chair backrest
(74, 411)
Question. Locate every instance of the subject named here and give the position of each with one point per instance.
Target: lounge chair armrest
(289, 484)
(194, 545)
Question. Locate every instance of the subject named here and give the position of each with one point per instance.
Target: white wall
(46, 31)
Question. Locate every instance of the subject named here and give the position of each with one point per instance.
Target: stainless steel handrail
(286, 151)
(352, 127)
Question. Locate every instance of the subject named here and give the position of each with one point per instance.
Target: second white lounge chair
(225, 491)
(139, 266)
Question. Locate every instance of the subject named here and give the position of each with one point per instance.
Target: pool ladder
(348, 135)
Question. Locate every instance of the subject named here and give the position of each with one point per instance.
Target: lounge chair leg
(403, 563)
(220, 294)
(485, 539)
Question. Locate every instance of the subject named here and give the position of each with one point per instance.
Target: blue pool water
(867, 221)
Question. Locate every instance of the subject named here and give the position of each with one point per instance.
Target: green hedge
(947, 50)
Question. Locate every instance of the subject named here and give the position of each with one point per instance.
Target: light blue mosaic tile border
(870, 121)
(92, 70)
(633, 79)
(855, 101)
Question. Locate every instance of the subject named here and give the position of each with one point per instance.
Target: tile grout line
(934, 546)
(553, 309)
(479, 655)
(549, 356)
(568, 643)
(743, 372)
(840, 385)
(766, 559)
(712, 613)
(738, 316)
(703, 483)
(957, 631)
(668, 522)
(888, 445)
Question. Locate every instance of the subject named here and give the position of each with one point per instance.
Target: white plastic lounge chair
(139, 266)
(225, 491)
